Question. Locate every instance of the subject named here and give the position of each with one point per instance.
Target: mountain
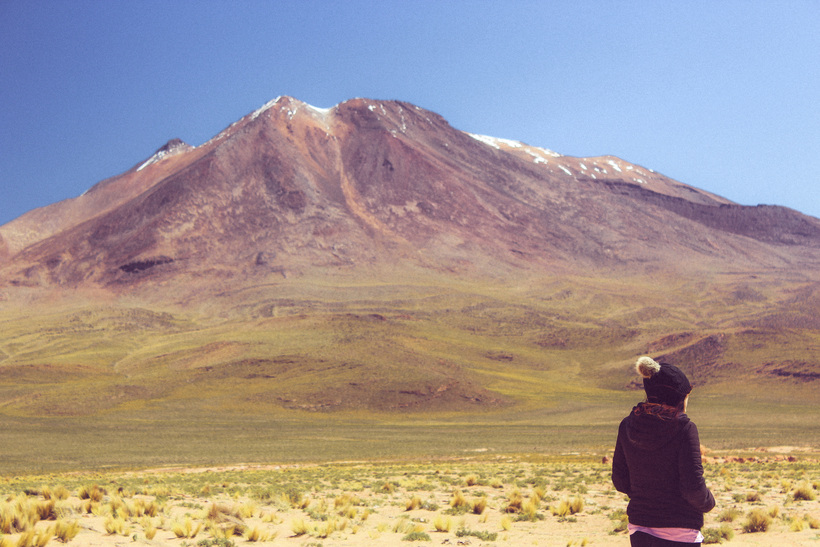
(371, 256)
(291, 187)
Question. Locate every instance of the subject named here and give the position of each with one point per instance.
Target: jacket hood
(650, 432)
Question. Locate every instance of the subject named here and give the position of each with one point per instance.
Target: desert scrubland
(765, 497)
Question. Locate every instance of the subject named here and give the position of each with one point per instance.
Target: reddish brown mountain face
(291, 189)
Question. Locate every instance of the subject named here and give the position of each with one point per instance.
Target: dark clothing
(640, 539)
(657, 464)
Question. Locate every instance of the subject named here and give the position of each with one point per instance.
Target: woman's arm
(620, 471)
(692, 484)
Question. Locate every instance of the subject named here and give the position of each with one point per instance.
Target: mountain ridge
(366, 171)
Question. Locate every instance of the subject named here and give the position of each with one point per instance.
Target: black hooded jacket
(657, 464)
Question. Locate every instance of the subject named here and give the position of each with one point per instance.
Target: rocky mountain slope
(371, 256)
(291, 188)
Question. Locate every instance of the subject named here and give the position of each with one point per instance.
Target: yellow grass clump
(804, 492)
(479, 505)
(458, 501)
(299, 527)
(568, 507)
(186, 528)
(256, 533)
(757, 520)
(442, 523)
(29, 538)
(115, 526)
(148, 528)
(515, 501)
(413, 503)
(66, 530)
(93, 493)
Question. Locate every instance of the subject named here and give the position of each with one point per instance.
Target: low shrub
(117, 526)
(804, 492)
(753, 496)
(417, 535)
(93, 493)
(186, 528)
(757, 520)
(479, 505)
(412, 504)
(65, 530)
(219, 542)
(514, 502)
(442, 523)
(299, 527)
(717, 535)
(482, 535)
(568, 507)
(729, 514)
(459, 500)
(797, 524)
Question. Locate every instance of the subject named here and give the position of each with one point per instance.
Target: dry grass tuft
(729, 514)
(149, 529)
(299, 527)
(256, 534)
(115, 526)
(514, 502)
(66, 530)
(757, 520)
(568, 507)
(479, 505)
(442, 523)
(412, 504)
(458, 501)
(804, 492)
(93, 493)
(186, 528)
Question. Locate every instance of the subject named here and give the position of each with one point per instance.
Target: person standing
(657, 462)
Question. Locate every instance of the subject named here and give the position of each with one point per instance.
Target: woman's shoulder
(688, 428)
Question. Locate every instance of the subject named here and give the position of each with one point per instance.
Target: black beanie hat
(663, 383)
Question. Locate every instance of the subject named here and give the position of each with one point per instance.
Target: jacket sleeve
(620, 471)
(692, 484)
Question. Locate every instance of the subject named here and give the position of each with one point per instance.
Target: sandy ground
(369, 515)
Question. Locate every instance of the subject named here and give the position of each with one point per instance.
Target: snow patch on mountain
(496, 142)
(153, 159)
(320, 111)
(264, 107)
(168, 149)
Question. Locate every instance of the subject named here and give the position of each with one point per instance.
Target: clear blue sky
(722, 95)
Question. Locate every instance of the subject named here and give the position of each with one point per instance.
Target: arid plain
(766, 498)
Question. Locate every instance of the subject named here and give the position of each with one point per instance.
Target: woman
(657, 462)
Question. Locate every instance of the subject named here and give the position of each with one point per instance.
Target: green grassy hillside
(310, 369)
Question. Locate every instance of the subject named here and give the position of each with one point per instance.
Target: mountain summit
(290, 188)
